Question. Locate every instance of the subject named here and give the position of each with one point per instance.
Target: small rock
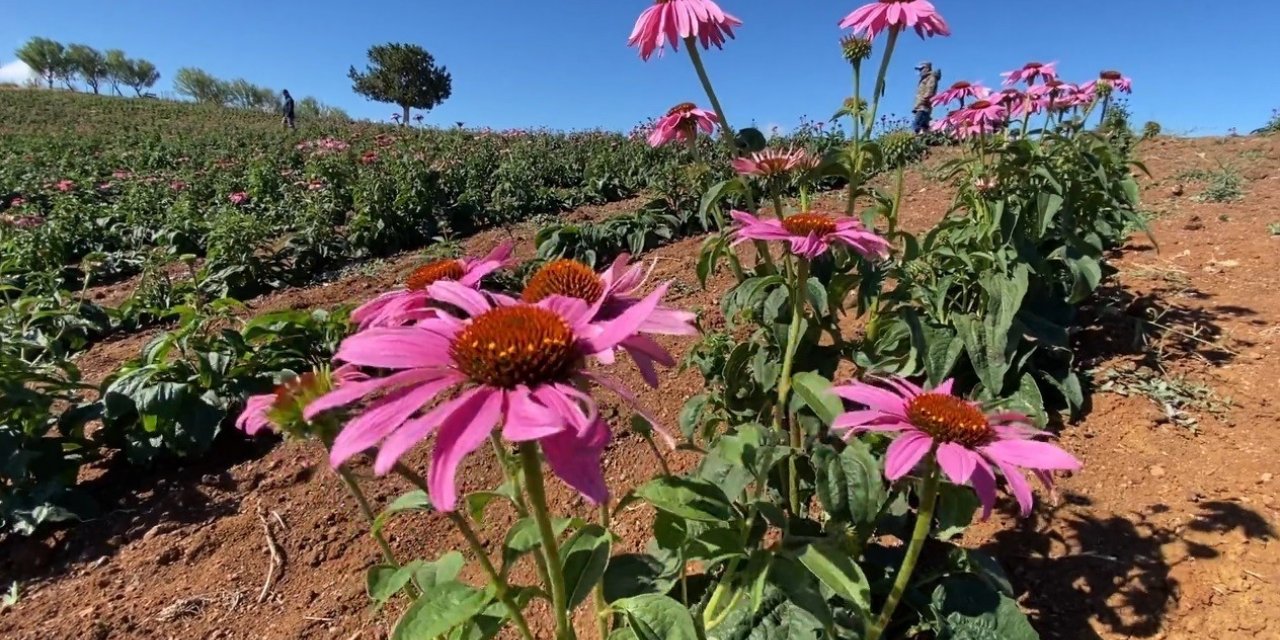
(158, 530)
(169, 556)
(1177, 190)
(1265, 478)
(1157, 471)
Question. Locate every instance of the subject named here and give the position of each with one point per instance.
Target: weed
(1175, 395)
(1225, 185)
(11, 598)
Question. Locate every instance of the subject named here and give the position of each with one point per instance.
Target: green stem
(603, 614)
(884, 70)
(924, 522)
(538, 508)
(522, 509)
(501, 589)
(727, 133)
(777, 200)
(363, 503)
(897, 202)
(856, 140)
(798, 289)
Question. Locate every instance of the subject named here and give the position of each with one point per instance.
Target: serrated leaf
(850, 483)
(439, 610)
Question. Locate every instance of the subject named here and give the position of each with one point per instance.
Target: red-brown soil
(1168, 532)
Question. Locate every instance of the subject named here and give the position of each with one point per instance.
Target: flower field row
(963, 358)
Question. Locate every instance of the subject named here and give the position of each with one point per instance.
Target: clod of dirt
(1157, 471)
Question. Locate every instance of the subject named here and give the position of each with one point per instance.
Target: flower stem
(522, 509)
(856, 141)
(538, 509)
(602, 606)
(730, 138)
(924, 522)
(798, 290)
(362, 502)
(500, 587)
(884, 70)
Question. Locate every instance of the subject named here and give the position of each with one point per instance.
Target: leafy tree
(140, 74)
(405, 75)
(117, 69)
(200, 86)
(88, 63)
(244, 94)
(45, 57)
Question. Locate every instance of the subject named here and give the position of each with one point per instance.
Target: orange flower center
(682, 108)
(564, 278)
(424, 276)
(980, 104)
(1033, 65)
(961, 85)
(949, 419)
(287, 392)
(803, 224)
(1110, 75)
(522, 345)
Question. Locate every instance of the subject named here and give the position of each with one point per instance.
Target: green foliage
(47, 58)
(1224, 185)
(200, 85)
(89, 63)
(405, 75)
(1272, 125)
(1151, 130)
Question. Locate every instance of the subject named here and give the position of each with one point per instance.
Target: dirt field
(1168, 532)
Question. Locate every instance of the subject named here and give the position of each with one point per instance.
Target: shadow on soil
(1075, 571)
(138, 502)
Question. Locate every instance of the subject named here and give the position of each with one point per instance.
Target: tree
(200, 86)
(45, 57)
(140, 74)
(117, 69)
(89, 63)
(405, 75)
(311, 108)
(246, 95)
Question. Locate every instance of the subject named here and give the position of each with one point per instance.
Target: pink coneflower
(681, 124)
(774, 162)
(281, 409)
(369, 157)
(17, 202)
(121, 174)
(984, 115)
(811, 234)
(964, 440)
(1030, 72)
(177, 185)
(238, 198)
(671, 21)
(884, 15)
(315, 184)
(412, 303)
(64, 185)
(610, 294)
(959, 91)
(520, 366)
(1116, 80)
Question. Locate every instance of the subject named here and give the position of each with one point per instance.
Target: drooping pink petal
(254, 417)
(350, 392)
(956, 461)
(905, 452)
(628, 324)
(1032, 454)
(575, 458)
(983, 481)
(460, 433)
(472, 302)
(528, 420)
(873, 397)
(384, 417)
(1018, 484)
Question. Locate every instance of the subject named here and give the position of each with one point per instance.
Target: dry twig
(276, 560)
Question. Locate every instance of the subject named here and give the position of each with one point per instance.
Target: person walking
(925, 90)
(288, 109)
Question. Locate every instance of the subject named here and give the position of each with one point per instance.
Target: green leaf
(970, 609)
(941, 353)
(585, 556)
(691, 415)
(956, 506)
(657, 617)
(840, 573)
(850, 483)
(382, 581)
(815, 390)
(524, 537)
(445, 569)
(687, 498)
(634, 574)
(416, 500)
(439, 610)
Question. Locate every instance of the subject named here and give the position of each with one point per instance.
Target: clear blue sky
(565, 64)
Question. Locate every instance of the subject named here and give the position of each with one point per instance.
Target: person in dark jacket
(928, 87)
(288, 109)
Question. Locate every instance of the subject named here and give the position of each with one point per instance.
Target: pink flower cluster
(64, 186)
(323, 145)
(238, 198)
(444, 357)
(681, 124)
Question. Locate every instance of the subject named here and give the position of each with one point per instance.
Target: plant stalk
(501, 589)
(924, 522)
(603, 616)
(798, 290)
(362, 502)
(538, 509)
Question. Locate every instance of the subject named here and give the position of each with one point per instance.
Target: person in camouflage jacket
(928, 87)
